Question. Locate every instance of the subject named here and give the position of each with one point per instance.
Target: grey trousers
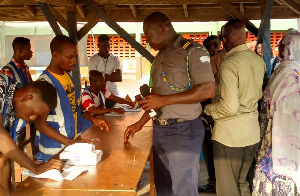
(232, 165)
(176, 153)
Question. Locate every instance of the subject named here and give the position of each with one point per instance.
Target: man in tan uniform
(236, 130)
(178, 90)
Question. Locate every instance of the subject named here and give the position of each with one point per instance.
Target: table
(117, 173)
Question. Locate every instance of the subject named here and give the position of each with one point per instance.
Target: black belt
(167, 122)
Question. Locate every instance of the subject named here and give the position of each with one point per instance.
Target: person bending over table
(24, 103)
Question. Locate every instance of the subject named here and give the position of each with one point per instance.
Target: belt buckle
(162, 122)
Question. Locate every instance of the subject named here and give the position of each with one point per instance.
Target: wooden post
(264, 34)
(72, 30)
(152, 186)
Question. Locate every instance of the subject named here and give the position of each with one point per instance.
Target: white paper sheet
(80, 147)
(113, 114)
(127, 108)
(69, 173)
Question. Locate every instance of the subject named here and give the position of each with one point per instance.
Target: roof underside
(137, 10)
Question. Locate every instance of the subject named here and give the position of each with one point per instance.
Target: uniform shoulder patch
(186, 44)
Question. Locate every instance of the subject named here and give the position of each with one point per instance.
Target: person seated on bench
(94, 96)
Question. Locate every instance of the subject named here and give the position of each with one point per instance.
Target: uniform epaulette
(186, 44)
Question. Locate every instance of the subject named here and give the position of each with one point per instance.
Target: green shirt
(238, 89)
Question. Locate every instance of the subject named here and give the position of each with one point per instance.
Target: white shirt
(112, 63)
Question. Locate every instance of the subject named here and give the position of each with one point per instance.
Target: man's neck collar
(18, 60)
(55, 70)
(103, 56)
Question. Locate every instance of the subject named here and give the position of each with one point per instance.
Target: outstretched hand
(130, 131)
(118, 110)
(101, 123)
(131, 104)
(51, 164)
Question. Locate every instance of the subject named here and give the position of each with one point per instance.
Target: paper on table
(72, 172)
(113, 114)
(127, 108)
(69, 173)
(80, 147)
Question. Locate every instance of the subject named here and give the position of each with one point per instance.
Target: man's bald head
(159, 31)
(234, 34)
(158, 18)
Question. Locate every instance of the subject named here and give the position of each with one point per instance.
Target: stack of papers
(81, 154)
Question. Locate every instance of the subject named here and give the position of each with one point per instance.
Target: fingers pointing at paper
(51, 164)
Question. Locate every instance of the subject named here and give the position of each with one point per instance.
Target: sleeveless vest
(61, 119)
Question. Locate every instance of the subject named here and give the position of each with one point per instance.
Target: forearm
(222, 109)
(90, 117)
(55, 135)
(10, 149)
(42, 126)
(120, 100)
(143, 120)
(228, 103)
(114, 77)
(97, 111)
(198, 93)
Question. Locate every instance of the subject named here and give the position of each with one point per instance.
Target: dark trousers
(208, 157)
(176, 153)
(232, 165)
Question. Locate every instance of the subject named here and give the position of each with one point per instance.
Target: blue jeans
(176, 153)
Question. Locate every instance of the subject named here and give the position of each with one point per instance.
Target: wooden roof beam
(31, 10)
(242, 9)
(61, 20)
(236, 14)
(87, 27)
(70, 3)
(185, 11)
(91, 23)
(112, 24)
(292, 5)
(81, 10)
(51, 19)
(108, 8)
(133, 10)
(166, 2)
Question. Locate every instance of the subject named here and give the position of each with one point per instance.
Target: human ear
(54, 54)
(163, 28)
(27, 97)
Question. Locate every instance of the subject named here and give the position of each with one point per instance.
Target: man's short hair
(20, 43)
(212, 40)
(58, 42)
(46, 92)
(95, 76)
(103, 37)
(158, 18)
(232, 26)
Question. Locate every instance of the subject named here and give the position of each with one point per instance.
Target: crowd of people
(207, 97)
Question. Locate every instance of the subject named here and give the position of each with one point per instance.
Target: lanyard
(187, 72)
(105, 62)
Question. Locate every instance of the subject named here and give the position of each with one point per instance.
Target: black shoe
(207, 188)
